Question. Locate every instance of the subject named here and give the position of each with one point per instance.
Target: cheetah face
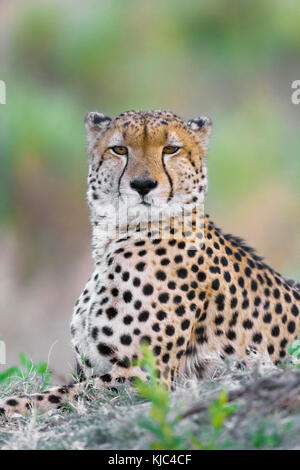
(146, 160)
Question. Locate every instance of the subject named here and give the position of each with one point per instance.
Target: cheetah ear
(95, 124)
(202, 126)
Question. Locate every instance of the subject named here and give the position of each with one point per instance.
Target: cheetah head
(146, 160)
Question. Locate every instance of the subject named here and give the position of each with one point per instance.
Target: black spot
(275, 331)
(160, 251)
(276, 293)
(228, 349)
(267, 292)
(140, 243)
(247, 324)
(220, 301)
(127, 296)
(106, 378)
(128, 319)
(185, 324)
(165, 261)
(215, 284)
(111, 312)
(291, 326)
(54, 399)
(140, 266)
(182, 273)
(253, 285)
(164, 297)
(107, 331)
(201, 276)
(95, 333)
(125, 362)
(161, 315)
(170, 330)
(278, 308)
(143, 316)
(248, 272)
(171, 285)
(231, 334)
(12, 402)
(224, 261)
(104, 349)
(191, 253)
(147, 289)
(283, 343)
(180, 310)
(232, 289)
(295, 310)
(126, 340)
(287, 298)
(257, 338)
(236, 267)
(136, 282)
(257, 301)
(125, 276)
(219, 319)
(255, 314)
(145, 339)
(267, 318)
(160, 275)
(166, 358)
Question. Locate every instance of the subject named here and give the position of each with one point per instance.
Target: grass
(151, 418)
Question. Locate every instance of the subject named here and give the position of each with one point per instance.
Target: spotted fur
(193, 296)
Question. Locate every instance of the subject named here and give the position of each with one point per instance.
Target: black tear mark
(169, 178)
(124, 169)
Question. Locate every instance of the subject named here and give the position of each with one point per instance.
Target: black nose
(143, 185)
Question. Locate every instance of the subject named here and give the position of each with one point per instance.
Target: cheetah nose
(143, 185)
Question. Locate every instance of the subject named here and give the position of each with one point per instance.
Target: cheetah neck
(182, 224)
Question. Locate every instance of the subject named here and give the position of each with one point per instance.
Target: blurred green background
(233, 60)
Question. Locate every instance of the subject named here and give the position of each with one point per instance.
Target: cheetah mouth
(145, 203)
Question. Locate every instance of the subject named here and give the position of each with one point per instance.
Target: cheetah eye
(119, 150)
(170, 149)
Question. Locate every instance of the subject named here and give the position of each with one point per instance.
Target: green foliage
(158, 422)
(219, 411)
(294, 350)
(263, 438)
(26, 369)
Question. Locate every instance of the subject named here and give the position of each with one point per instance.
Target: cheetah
(177, 283)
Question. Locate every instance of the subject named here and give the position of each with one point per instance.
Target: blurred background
(234, 61)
